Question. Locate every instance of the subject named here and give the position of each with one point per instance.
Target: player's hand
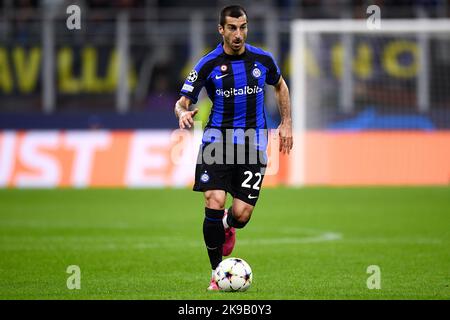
(186, 118)
(286, 140)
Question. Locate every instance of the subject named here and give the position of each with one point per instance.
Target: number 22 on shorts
(249, 177)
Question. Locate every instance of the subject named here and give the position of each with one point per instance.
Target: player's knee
(243, 215)
(215, 199)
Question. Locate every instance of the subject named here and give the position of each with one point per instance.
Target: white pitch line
(323, 237)
(102, 243)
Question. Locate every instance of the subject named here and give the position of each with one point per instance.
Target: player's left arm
(284, 106)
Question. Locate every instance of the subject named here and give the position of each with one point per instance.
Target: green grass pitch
(306, 243)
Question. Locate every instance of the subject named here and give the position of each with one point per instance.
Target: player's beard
(236, 46)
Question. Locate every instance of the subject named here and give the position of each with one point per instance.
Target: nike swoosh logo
(220, 77)
(251, 197)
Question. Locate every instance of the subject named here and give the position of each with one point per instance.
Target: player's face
(234, 34)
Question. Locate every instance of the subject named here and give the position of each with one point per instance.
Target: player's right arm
(185, 117)
(194, 82)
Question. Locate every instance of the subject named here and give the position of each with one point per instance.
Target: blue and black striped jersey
(235, 85)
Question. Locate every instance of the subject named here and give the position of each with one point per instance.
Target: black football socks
(233, 222)
(214, 235)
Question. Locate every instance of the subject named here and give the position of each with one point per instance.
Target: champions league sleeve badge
(193, 75)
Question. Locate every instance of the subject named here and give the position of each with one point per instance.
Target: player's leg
(239, 214)
(246, 185)
(213, 179)
(213, 229)
(236, 217)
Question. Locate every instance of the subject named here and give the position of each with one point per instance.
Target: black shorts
(242, 177)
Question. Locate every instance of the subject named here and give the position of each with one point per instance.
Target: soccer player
(234, 75)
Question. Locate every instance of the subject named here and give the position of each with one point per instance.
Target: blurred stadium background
(123, 70)
(94, 108)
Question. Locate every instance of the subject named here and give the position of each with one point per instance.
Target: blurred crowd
(306, 8)
(160, 42)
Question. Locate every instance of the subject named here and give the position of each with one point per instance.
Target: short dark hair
(231, 11)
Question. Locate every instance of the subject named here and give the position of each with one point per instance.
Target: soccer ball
(233, 274)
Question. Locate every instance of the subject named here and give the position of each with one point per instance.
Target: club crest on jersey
(193, 75)
(204, 177)
(256, 73)
(223, 68)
